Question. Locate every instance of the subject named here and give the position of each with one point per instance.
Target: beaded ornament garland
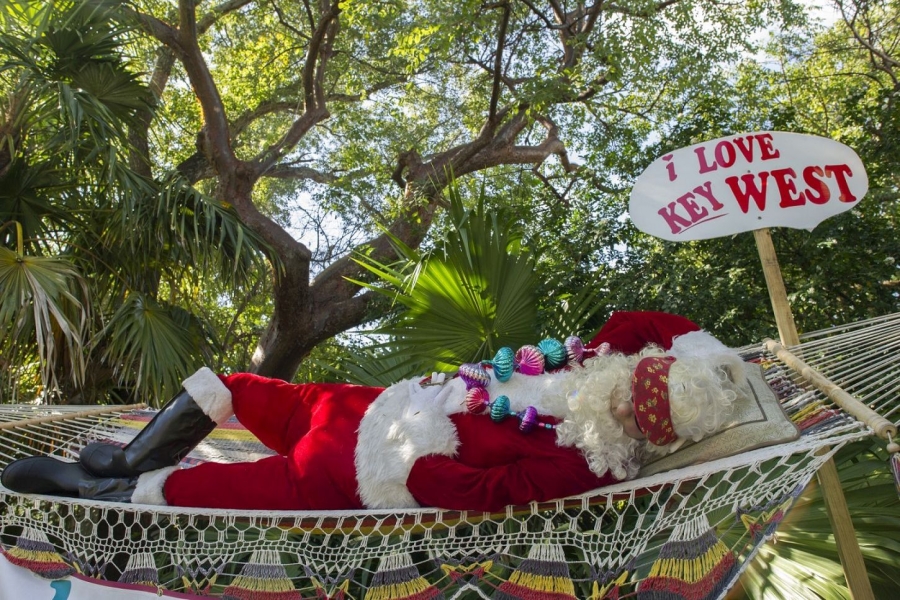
(548, 355)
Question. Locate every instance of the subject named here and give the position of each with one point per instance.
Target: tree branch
(341, 316)
(503, 152)
(547, 22)
(217, 11)
(138, 133)
(266, 107)
(292, 172)
(656, 8)
(315, 109)
(588, 18)
(411, 227)
(887, 63)
(215, 122)
(498, 66)
(509, 82)
(311, 71)
(161, 31)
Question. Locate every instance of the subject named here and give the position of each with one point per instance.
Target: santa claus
(654, 381)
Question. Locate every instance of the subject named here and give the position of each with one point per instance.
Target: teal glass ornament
(554, 352)
(499, 409)
(504, 364)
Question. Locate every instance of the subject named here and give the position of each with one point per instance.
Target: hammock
(683, 533)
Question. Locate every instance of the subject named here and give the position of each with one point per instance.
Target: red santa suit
(349, 447)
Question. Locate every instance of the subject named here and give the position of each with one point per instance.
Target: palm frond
(152, 348)
(42, 305)
(567, 313)
(804, 562)
(466, 299)
(27, 193)
(69, 56)
(379, 365)
(211, 233)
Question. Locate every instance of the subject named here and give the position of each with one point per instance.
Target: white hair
(702, 391)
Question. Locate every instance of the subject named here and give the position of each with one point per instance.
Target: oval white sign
(745, 182)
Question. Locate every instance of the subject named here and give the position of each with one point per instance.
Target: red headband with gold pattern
(650, 394)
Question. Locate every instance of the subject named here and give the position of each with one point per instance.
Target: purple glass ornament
(528, 419)
(474, 375)
(530, 360)
(477, 400)
(574, 350)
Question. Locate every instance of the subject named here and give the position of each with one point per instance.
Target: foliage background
(126, 260)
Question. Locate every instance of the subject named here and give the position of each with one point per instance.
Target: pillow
(758, 421)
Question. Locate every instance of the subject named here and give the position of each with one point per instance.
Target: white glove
(426, 398)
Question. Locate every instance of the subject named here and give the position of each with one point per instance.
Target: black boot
(175, 430)
(48, 475)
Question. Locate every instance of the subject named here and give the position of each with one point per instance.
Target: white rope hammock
(689, 531)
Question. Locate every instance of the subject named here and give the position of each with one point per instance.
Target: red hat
(650, 394)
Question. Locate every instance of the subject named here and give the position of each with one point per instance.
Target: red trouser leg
(312, 471)
(262, 485)
(269, 409)
(276, 412)
(281, 413)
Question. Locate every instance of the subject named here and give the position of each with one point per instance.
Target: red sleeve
(446, 483)
(629, 332)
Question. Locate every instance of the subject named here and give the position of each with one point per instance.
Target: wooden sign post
(751, 182)
(830, 483)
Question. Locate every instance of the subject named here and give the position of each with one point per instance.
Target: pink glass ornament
(530, 360)
(477, 400)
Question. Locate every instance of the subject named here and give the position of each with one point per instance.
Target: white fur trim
(149, 488)
(394, 434)
(210, 394)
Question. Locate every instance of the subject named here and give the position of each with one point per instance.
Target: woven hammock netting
(686, 533)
